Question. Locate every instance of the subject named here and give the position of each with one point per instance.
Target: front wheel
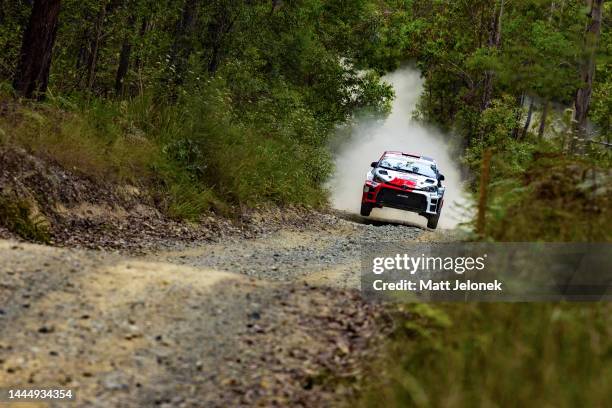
(432, 221)
(366, 209)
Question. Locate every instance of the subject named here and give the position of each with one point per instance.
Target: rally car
(407, 182)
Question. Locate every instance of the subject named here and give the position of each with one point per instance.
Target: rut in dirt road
(237, 323)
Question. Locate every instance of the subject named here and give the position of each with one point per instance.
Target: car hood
(404, 180)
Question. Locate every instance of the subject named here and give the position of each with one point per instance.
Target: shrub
(16, 215)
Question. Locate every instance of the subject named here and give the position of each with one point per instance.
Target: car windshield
(408, 165)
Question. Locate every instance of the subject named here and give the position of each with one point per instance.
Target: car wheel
(366, 209)
(432, 221)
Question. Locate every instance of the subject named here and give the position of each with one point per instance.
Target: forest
(217, 106)
(185, 95)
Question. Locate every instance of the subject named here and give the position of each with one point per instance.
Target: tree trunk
(483, 193)
(494, 42)
(220, 25)
(587, 71)
(92, 61)
(542, 126)
(93, 41)
(183, 41)
(32, 74)
(528, 120)
(275, 5)
(122, 68)
(144, 28)
(124, 59)
(520, 100)
(82, 54)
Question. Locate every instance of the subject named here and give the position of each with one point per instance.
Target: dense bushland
(217, 103)
(509, 77)
(495, 355)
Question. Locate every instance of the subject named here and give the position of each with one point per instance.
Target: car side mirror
(373, 164)
(441, 177)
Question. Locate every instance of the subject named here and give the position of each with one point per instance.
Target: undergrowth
(194, 156)
(451, 355)
(557, 198)
(16, 215)
(501, 354)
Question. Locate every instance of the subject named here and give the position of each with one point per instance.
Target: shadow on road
(375, 221)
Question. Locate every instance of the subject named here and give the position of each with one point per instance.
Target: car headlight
(378, 179)
(430, 188)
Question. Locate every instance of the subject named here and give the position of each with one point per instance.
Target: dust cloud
(370, 138)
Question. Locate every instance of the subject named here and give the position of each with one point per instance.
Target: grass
(555, 355)
(193, 157)
(557, 198)
(17, 216)
(101, 144)
(77, 141)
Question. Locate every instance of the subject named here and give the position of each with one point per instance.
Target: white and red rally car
(406, 182)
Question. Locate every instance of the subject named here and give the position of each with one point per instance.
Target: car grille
(402, 199)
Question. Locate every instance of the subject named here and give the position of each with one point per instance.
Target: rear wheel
(366, 209)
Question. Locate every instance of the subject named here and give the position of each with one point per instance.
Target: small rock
(254, 315)
(115, 381)
(46, 329)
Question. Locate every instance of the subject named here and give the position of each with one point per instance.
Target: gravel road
(328, 256)
(263, 321)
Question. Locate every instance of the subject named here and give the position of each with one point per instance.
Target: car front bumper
(388, 195)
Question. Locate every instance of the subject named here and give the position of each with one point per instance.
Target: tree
(494, 43)
(107, 7)
(124, 57)
(182, 46)
(542, 126)
(587, 71)
(219, 27)
(32, 74)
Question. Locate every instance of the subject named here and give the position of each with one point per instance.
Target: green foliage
(556, 198)
(496, 123)
(188, 202)
(100, 140)
(538, 59)
(222, 102)
(16, 215)
(464, 355)
(601, 101)
(249, 158)
(538, 55)
(13, 17)
(601, 109)
(541, 50)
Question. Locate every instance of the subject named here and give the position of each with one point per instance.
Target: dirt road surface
(271, 321)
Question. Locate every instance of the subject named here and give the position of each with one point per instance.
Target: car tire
(366, 209)
(432, 221)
